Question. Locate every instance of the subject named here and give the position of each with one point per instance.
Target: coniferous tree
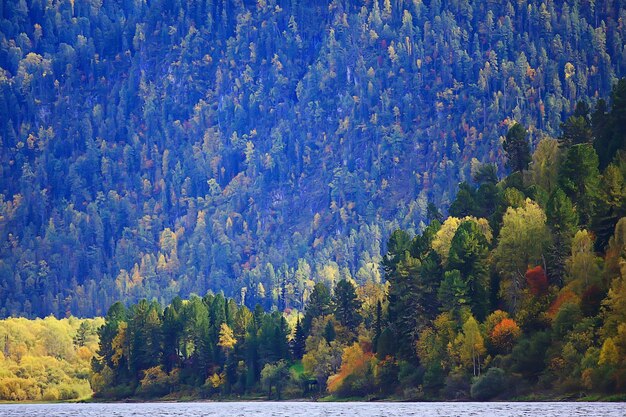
(378, 324)
(346, 305)
(319, 305)
(610, 137)
(579, 178)
(517, 148)
(611, 202)
(329, 332)
(563, 221)
(298, 342)
(468, 255)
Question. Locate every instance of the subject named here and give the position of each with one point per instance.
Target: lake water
(308, 409)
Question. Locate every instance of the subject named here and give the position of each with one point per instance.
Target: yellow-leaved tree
(523, 240)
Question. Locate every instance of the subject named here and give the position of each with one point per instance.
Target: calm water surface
(302, 409)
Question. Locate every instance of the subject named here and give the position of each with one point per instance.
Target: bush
(386, 375)
(434, 378)
(456, 387)
(51, 394)
(409, 375)
(529, 355)
(68, 392)
(489, 385)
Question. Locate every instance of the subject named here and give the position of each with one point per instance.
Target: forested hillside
(519, 294)
(149, 149)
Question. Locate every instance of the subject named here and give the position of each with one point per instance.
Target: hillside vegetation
(46, 359)
(519, 293)
(149, 149)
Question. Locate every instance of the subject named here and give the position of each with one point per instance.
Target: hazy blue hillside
(155, 148)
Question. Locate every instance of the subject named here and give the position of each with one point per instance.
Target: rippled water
(302, 409)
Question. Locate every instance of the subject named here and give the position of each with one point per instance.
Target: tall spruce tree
(346, 305)
(517, 148)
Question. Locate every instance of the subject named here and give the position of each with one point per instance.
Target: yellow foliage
(353, 362)
(583, 267)
(42, 362)
(227, 339)
(443, 238)
(153, 376)
(215, 380)
(609, 354)
(119, 343)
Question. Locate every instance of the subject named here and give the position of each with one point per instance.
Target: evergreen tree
(610, 136)
(580, 180)
(464, 203)
(468, 255)
(346, 305)
(563, 221)
(319, 305)
(329, 332)
(517, 148)
(298, 342)
(576, 130)
(611, 202)
(378, 325)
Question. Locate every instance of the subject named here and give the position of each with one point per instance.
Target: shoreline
(586, 399)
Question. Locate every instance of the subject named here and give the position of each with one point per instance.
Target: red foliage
(537, 281)
(566, 296)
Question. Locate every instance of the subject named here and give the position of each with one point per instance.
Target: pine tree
(329, 332)
(468, 254)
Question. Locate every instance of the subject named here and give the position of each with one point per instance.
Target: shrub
(456, 386)
(489, 385)
(51, 394)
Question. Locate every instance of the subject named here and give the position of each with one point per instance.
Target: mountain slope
(156, 148)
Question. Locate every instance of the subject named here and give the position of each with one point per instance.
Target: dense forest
(47, 359)
(519, 293)
(151, 149)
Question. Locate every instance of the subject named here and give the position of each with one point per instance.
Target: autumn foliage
(504, 335)
(564, 297)
(46, 359)
(537, 281)
(355, 373)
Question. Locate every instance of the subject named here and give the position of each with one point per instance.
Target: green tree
(610, 127)
(563, 222)
(346, 305)
(464, 203)
(517, 148)
(453, 292)
(468, 254)
(319, 305)
(275, 376)
(576, 130)
(580, 180)
(298, 343)
(523, 241)
(145, 336)
(611, 204)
